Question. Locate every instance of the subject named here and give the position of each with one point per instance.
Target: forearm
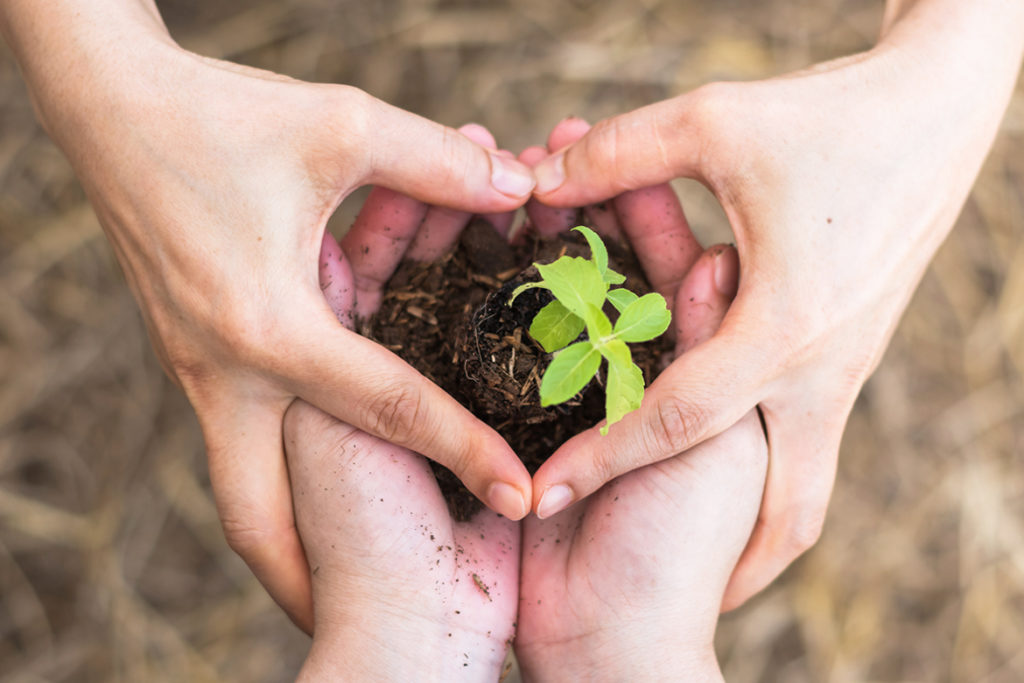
(974, 46)
(947, 70)
(620, 658)
(73, 55)
(398, 647)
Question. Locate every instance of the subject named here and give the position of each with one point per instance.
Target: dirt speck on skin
(482, 586)
(451, 321)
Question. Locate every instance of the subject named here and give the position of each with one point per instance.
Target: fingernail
(510, 177)
(554, 500)
(507, 500)
(550, 173)
(727, 272)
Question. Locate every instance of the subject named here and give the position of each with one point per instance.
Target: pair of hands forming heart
(214, 183)
(629, 582)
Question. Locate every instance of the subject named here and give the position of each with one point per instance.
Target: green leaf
(522, 288)
(554, 326)
(574, 281)
(613, 278)
(644, 319)
(569, 372)
(598, 252)
(621, 298)
(625, 389)
(598, 324)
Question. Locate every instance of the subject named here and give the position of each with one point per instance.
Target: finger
(804, 445)
(441, 226)
(598, 216)
(544, 220)
(656, 228)
(251, 489)
(336, 280)
(502, 221)
(601, 217)
(383, 395)
(645, 147)
(704, 296)
(376, 243)
(566, 132)
(702, 393)
(439, 165)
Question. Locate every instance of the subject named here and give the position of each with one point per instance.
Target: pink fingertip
(501, 222)
(479, 135)
(531, 156)
(566, 132)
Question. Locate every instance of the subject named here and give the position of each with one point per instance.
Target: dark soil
(451, 321)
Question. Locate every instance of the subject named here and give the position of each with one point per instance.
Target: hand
(628, 584)
(400, 591)
(214, 183)
(840, 183)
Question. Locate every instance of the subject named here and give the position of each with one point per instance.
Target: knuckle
(247, 333)
(461, 457)
(455, 165)
(706, 114)
(356, 105)
(803, 531)
(303, 421)
(675, 425)
(709, 104)
(347, 117)
(606, 464)
(602, 149)
(254, 536)
(395, 413)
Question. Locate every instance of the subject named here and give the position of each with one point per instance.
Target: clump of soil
(451, 321)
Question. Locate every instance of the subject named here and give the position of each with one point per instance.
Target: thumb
(704, 392)
(647, 146)
(439, 165)
(381, 394)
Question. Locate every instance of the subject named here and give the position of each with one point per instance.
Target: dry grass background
(112, 563)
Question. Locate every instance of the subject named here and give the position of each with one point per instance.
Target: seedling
(581, 287)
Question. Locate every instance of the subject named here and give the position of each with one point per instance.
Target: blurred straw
(112, 562)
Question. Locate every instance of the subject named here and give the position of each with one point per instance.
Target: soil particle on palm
(450, 320)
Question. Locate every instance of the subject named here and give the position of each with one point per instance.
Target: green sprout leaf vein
(580, 288)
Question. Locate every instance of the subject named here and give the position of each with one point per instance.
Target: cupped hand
(375, 529)
(840, 182)
(628, 584)
(400, 590)
(214, 183)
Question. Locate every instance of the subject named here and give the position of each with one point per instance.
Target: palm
(374, 523)
(370, 513)
(655, 547)
(662, 539)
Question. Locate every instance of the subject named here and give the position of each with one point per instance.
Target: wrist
(396, 645)
(975, 46)
(81, 61)
(620, 654)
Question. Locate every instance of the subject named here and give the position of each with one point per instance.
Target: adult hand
(840, 182)
(214, 183)
(628, 584)
(400, 591)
